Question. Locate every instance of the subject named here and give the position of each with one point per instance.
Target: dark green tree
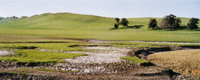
(117, 23)
(124, 22)
(117, 20)
(15, 17)
(1, 18)
(192, 24)
(165, 23)
(172, 19)
(168, 22)
(152, 23)
(177, 23)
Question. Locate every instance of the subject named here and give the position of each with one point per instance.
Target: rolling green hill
(60, 21)
(76, 26)
(7, 20)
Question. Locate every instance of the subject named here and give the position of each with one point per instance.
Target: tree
(172, 19)
(177, 23)
(165, 23)
(168, 22)
(192, 24)
(117, 20)
(116, 26)
(152, 23)
(15, 17)
(124, 22)
(117, 23)
(1, 18)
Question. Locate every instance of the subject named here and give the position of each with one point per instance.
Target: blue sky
(114, 8)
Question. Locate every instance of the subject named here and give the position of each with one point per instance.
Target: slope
(76, 26)
(7, 20)
(58, 21)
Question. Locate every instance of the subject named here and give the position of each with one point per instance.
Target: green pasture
(38, 56)
(75, 26)
(50, 46)
(135, 59)
(30, 52)
(146, 44)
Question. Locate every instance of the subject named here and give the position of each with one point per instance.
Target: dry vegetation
(178, 61)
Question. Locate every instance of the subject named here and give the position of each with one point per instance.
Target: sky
(105, 8)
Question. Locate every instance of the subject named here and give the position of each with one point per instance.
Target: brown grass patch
(178, 61)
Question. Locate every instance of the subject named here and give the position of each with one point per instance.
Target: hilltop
(7, 20)
(59, 21)
(1, 18)
(76, 26)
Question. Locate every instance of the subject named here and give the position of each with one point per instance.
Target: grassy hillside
(68, 25)
(7, 20)
(1, 18)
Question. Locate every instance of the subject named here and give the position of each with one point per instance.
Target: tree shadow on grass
(177, 28)
(197, 29)
(133, 27)
(181, 28)
(185, 28)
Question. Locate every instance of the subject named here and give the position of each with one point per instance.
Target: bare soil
(127, 70)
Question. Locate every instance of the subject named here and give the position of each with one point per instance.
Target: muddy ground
(123, 70)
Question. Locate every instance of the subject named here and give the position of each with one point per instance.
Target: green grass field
(39, 56)
(135, 59)
(68, 25)
(50, 46)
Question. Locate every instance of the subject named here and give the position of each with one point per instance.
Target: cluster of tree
(13, 17)
(152, 23)
(172, 22)
(124, 22)
(1, 18)
(192, 24)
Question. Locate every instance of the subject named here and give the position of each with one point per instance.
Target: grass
(7, 20)
(50, 46)
(45, 69)
(145, 44)
(68, 25)
(39, 56)
(135, 59)
(177, 60)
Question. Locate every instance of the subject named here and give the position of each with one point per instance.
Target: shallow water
(5, 52)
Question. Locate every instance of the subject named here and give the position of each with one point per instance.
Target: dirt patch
(144, 52)
(111, 68)
(131, 72)
(101, 55)
(179, 61)
(3, 52)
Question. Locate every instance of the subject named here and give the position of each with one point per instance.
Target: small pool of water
(5, 52)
